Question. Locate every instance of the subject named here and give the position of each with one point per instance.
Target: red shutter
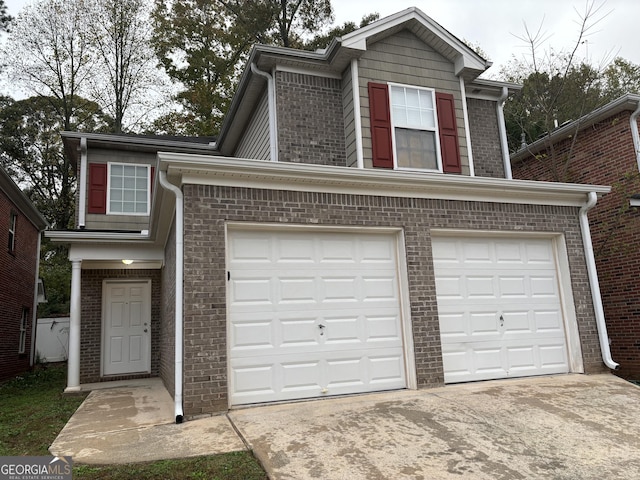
(380, 117)
(97, 188)
(153, 178)
(449, 147)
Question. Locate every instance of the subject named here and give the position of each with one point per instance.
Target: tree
(55, 58)
(5, 18)
(125, 68)
(557, 87)
(621, 77)
(322, 40)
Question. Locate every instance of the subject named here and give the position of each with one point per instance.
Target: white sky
(494, 24)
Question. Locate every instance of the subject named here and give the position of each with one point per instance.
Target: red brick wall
(604, 154)
(207, 208)
(17, 284)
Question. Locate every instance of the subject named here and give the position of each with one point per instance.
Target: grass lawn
(33, 410)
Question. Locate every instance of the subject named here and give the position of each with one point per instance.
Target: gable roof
(21, 201)
(630, 101)
(334, 59)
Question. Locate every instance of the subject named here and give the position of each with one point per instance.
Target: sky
(495, 25)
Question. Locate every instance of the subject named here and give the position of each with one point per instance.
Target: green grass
(33, 410)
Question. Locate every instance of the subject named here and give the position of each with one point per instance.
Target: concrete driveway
(561, 427)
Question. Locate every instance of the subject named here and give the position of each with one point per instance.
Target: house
(604, 147)
(355, 228)
(21, 226)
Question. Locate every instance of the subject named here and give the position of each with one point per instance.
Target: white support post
(73, 364)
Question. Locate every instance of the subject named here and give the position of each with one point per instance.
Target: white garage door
(312, 314)
(499, 308)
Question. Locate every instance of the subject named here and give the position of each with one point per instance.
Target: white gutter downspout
(357, 121)
(595, 284)
(634, 133)
(503, 133)
(82, 199)
(273, 127)
(465, 111)
(177, 398)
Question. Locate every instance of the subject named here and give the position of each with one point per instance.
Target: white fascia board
(109, 252)
(236, 172)
(81, 236)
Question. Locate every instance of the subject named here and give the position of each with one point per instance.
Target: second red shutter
(449, 146)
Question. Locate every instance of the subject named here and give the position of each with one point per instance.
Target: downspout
(594, 283)
(273, 127)
(357, 121)
(502, 129)
(34, 324)
(82, 199)
(177, 398)
(463, 89)
(633, 120)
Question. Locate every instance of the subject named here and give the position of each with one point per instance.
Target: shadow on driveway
(561, 427)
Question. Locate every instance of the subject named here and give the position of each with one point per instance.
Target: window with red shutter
(406, 124)
(97, 188)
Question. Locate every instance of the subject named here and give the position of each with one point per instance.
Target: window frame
(435, 130)
(137, 214)
(13, 227)
(24, 326)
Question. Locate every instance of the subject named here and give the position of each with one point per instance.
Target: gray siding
(485, 138)
(255, 142)
(349, 118)
(310, 121)
(403, 58)
(117, 222)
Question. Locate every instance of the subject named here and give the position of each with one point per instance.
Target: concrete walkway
(564, 427)
(134, 423)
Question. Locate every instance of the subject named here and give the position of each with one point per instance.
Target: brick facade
(485, 144)
(91, 321)
(604, 154)
(310, 121)
(207, 208)
(17, 286)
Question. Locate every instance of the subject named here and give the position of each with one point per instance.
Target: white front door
(313, 313)
(499, 308)
(126, 344)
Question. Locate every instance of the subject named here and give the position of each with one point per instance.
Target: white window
(13, 220)
(24, 321)
(415, 128)
(129, 188)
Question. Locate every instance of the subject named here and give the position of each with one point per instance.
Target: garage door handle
(501, 321)
(321, 327)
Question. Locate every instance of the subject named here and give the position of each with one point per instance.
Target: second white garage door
(499, 308)
(312, 314)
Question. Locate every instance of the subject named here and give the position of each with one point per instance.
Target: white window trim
(24, 320)
(134, 214)
(13, 223)
(436, 131)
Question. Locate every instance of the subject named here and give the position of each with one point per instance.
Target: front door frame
(146, 282)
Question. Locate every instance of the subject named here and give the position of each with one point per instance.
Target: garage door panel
(322, 310)
(499, 308)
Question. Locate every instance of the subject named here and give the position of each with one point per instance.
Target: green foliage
(5, 18)
(322, 40)
(230, 466)
(33, 410)
(55, 271)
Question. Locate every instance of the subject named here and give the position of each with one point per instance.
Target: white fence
(52, 339)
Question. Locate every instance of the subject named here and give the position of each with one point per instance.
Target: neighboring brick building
(20, 228)
(353, 229)
(604, 152)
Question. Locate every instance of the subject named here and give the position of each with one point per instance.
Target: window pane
(413, 118)
(116, 170)
(141, 207)
(128, 189)
(416, 149)
(129, 170)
